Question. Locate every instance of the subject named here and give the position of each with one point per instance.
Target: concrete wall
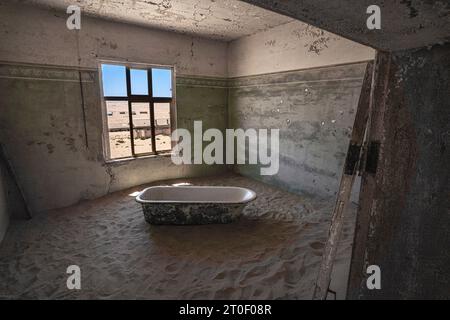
(292, 46)
(405, 24)
(4, 211)
(39, 36)
(41, 113)
(43, 132)
(305, 82)
(42, 122)
(314, 110)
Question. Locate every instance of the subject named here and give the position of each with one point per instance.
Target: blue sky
(115, 85)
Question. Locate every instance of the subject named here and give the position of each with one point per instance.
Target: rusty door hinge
(353, 156)
(362, 158)
(369, 162)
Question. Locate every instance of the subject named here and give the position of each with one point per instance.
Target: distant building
(118, 118)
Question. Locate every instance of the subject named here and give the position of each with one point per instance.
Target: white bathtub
(193, 204)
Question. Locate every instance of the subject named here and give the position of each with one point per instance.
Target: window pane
(141, 114)
(141, 128)
(162, 126)
(114, 80)
(139, 83)
(118, 129)
(162, 83)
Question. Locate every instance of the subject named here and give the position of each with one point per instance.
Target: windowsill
(150, 156)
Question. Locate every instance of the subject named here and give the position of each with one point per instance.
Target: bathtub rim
(143, 201)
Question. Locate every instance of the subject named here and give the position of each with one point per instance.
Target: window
(139, 103)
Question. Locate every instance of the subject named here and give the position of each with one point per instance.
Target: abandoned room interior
(348, 129)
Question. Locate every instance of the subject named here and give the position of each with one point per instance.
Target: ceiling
(405, 24)
(217, 19)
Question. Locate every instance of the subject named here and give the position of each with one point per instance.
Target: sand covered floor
(272, 252)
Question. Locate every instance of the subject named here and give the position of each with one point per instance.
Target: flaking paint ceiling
(217, 19)
(405, 24)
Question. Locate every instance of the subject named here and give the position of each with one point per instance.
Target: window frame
(131, 98)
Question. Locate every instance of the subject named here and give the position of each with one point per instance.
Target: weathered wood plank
(377, 100)
(345, 188)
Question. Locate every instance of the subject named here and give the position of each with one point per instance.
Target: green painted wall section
(314, 110)
(43, 129)
(43, 132)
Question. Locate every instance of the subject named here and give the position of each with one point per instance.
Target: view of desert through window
(119, 128)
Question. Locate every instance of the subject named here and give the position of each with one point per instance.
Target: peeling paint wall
(222, 20)
(41, 109)
(292, 46)
(42, 122)
(314, 110)
(32, 35)
(43, 132)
